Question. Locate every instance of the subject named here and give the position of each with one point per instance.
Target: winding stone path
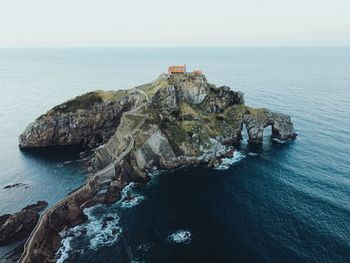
(103, 176)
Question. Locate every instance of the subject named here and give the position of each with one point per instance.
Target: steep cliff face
(90, 119)
(177, 120)
(190, 121)
(187, 117)
(256, 121)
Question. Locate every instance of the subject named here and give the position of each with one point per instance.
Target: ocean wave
(100, 231)
(67, 236)
(63, 252)
(180, 236)
(279, 141)
(154, 172)
(130, 197)
(227, 162)
(154, 176)
(62, 164)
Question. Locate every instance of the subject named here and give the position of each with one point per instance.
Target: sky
(143, 23)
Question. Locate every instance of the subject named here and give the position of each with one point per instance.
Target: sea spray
(130, 197)
(227, 162)
(180, 236)
(102, 229)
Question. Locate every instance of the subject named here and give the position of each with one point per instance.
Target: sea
(279, 202)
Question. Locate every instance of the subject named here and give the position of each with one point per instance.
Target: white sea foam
(279, 141)
(101, 231)
(155, 172)
(252, 154)
(130, 197)
(62, 164)
(67, 236)
(62, 253)
(227, 162)
(180, 236)
(154, 176)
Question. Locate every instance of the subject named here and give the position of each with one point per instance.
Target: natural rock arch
(256, 122)
(267, 133)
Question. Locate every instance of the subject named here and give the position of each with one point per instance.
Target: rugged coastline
(19, 225)
(175, 121)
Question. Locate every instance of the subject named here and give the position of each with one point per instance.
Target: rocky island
(177, 120)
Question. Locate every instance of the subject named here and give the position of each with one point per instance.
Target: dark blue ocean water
(276, 203)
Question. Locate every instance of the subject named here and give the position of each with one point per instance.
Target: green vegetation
(179, 134)
(186, 108)
(111, 95)
(152, 88)
(89, 99)
(81, 102)
(133, 120)
(187, 126)
(260, 113)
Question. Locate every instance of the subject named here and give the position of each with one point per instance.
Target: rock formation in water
(15, 185)
(19, 225)
(185, 110)
(177, 120)
(90, 119)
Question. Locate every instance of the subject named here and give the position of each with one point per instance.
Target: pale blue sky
(51, 23)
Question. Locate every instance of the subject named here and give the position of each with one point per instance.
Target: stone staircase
(98, 185)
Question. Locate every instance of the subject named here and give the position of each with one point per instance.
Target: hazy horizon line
(150, 47)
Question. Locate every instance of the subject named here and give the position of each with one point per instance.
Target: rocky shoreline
(19, 225)
(175, 121)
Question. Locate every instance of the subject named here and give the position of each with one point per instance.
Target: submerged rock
(19, 225)
(14, 185)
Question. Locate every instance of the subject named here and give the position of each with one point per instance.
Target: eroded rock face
(186, 121)
(219, 99)
(185, 114)
(192, 89)
(167, 102)
(90, 119)
(156, 147)
(19, 225)
(191, 121)
(282, 126)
